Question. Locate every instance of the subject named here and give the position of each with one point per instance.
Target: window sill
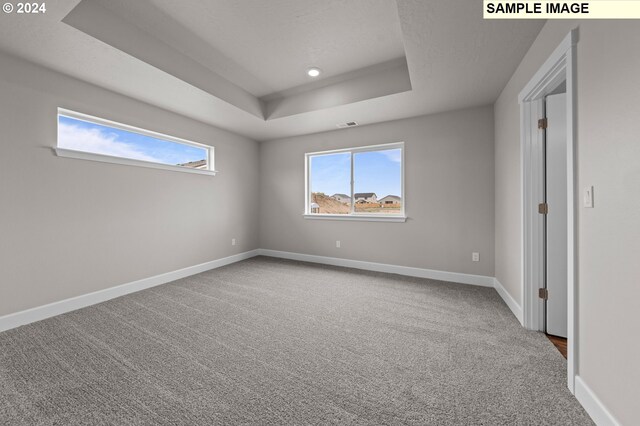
(81, 155)
(357, 217)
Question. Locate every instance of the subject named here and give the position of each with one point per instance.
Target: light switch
(587, 197)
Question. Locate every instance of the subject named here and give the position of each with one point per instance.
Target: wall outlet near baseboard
(337, 243)
(233, 241)
(475, 256)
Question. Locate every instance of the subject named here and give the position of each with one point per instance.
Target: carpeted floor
(274, 342)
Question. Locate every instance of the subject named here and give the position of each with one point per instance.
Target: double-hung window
(364, 183)
(91, 138)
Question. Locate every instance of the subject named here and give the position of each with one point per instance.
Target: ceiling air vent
(347, 124)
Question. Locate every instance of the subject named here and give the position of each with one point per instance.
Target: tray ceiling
(240, 65)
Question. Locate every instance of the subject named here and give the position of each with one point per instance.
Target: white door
(556, 219)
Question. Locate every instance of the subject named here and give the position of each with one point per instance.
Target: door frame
(558, 68)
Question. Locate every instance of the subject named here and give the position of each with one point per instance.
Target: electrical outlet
(233, 241)
(337, 243)
(475, 256)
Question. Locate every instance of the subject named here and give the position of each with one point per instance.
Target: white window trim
(367, 217)
(83, 155)
(358, 217)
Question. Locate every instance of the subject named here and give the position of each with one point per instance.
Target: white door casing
(558, 68)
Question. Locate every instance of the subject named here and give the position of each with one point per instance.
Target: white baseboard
(510, 301)
(593, 406)
(480, 280)
(56, 308)
(28, 316)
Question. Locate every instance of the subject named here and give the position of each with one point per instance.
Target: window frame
(353, 215)
(84, 155)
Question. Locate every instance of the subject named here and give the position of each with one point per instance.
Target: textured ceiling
(277, 40)
(454, 58)
(170, 47)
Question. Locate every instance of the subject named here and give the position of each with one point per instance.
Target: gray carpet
(274, 342)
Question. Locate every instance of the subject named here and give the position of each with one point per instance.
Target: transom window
(92, 138)
(356, 183)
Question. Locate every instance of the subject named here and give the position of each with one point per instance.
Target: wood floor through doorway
(560, 343)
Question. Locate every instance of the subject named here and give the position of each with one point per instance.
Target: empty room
(334, 212)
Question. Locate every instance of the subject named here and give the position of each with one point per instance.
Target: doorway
(547, 178)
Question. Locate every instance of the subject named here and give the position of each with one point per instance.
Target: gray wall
(449, 195)
(70, 227)
(608, 157)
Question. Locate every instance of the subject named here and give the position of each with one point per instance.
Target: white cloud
(393, 155)
(98, 142)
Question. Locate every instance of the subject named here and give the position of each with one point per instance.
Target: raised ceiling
(176, 49)
(240, 65)
(277, 40)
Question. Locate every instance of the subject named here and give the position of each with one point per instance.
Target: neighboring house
(365, 197)
(343, 198)
(200, 164)
(390, 199)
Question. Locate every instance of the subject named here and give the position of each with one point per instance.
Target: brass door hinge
(543, 293)
(542, 123)
(543, 208)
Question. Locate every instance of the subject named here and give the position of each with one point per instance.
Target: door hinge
(543, 293)
(542, 123)
(543, 208)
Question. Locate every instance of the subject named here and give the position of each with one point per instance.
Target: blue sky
(84, 136)
(375, 171)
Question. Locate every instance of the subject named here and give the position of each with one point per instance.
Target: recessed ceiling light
(314, 72)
